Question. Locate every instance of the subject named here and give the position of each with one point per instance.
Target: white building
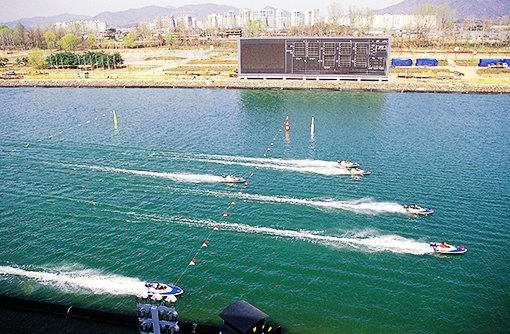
(296, 18)
(83, 27)
(229, 19)
(312, 17)
(271, 19)
(280, 19)
(243, 17)
(213, 21)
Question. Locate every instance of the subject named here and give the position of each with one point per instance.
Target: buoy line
(71, 128)
(194, 257)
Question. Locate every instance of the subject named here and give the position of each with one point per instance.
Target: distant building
(213, 21)
(229, 19)
(296, 18)
(243, 17)
(83, 27)
(280, 19)
(312, 17)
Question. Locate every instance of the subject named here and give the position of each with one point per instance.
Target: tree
(361, 19)
(129, 40)
(254, 28)
(19, 34)
(34, 37)
(50, 39)
(69, 42)
(335, 12)
(170, 40)
(425, 19)
(6, 38)
(445, 17)
(35, 58)
(91, 41)
(143, 31)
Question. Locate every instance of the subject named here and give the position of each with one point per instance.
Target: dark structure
(242, 318)
(358, 58)
(18, 315)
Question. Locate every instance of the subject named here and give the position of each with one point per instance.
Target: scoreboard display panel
(325, 57)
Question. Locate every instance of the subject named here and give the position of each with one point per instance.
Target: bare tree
(335, 12)
(425, 19)
(361, 19)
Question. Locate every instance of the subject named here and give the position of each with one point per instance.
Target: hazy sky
(16, 9)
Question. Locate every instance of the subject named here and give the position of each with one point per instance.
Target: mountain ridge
(488, 9)
(129, 17)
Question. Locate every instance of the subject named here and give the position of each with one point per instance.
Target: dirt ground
(162, 63)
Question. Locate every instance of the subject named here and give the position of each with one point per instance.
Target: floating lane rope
(71, 128)
(226, 213)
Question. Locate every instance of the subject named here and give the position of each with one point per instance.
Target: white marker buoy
(312, 127)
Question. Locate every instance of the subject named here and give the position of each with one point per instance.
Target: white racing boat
(357, 171)
(232, 179)
(348, 164)
(417, 210)
(163, 289)
(444, 248)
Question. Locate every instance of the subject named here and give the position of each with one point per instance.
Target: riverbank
(412, 86)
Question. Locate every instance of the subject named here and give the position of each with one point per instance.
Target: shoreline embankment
(382, 86)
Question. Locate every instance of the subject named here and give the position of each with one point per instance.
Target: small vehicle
(163, 289)
(348, 164)
(417, 210)
(445, 248)
(232, 179)
(357, 171)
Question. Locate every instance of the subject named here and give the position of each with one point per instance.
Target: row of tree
(89, 58)
(44, 38)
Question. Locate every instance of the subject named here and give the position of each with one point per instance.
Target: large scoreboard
(364, 58)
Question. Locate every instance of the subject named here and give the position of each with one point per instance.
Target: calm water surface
(89, 213)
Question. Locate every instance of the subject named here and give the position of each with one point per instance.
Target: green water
(89, 213)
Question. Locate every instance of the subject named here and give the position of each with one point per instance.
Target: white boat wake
(358, 241)
(367, 240)
(179, 177)
(363, 205)
(366, 205)
(301, 166)
(86, 280)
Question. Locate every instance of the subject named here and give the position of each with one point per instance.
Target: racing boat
(232, 179)
(357, 171)
(445, 248)
(163, 289)
(417, 210)
(348, 164)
